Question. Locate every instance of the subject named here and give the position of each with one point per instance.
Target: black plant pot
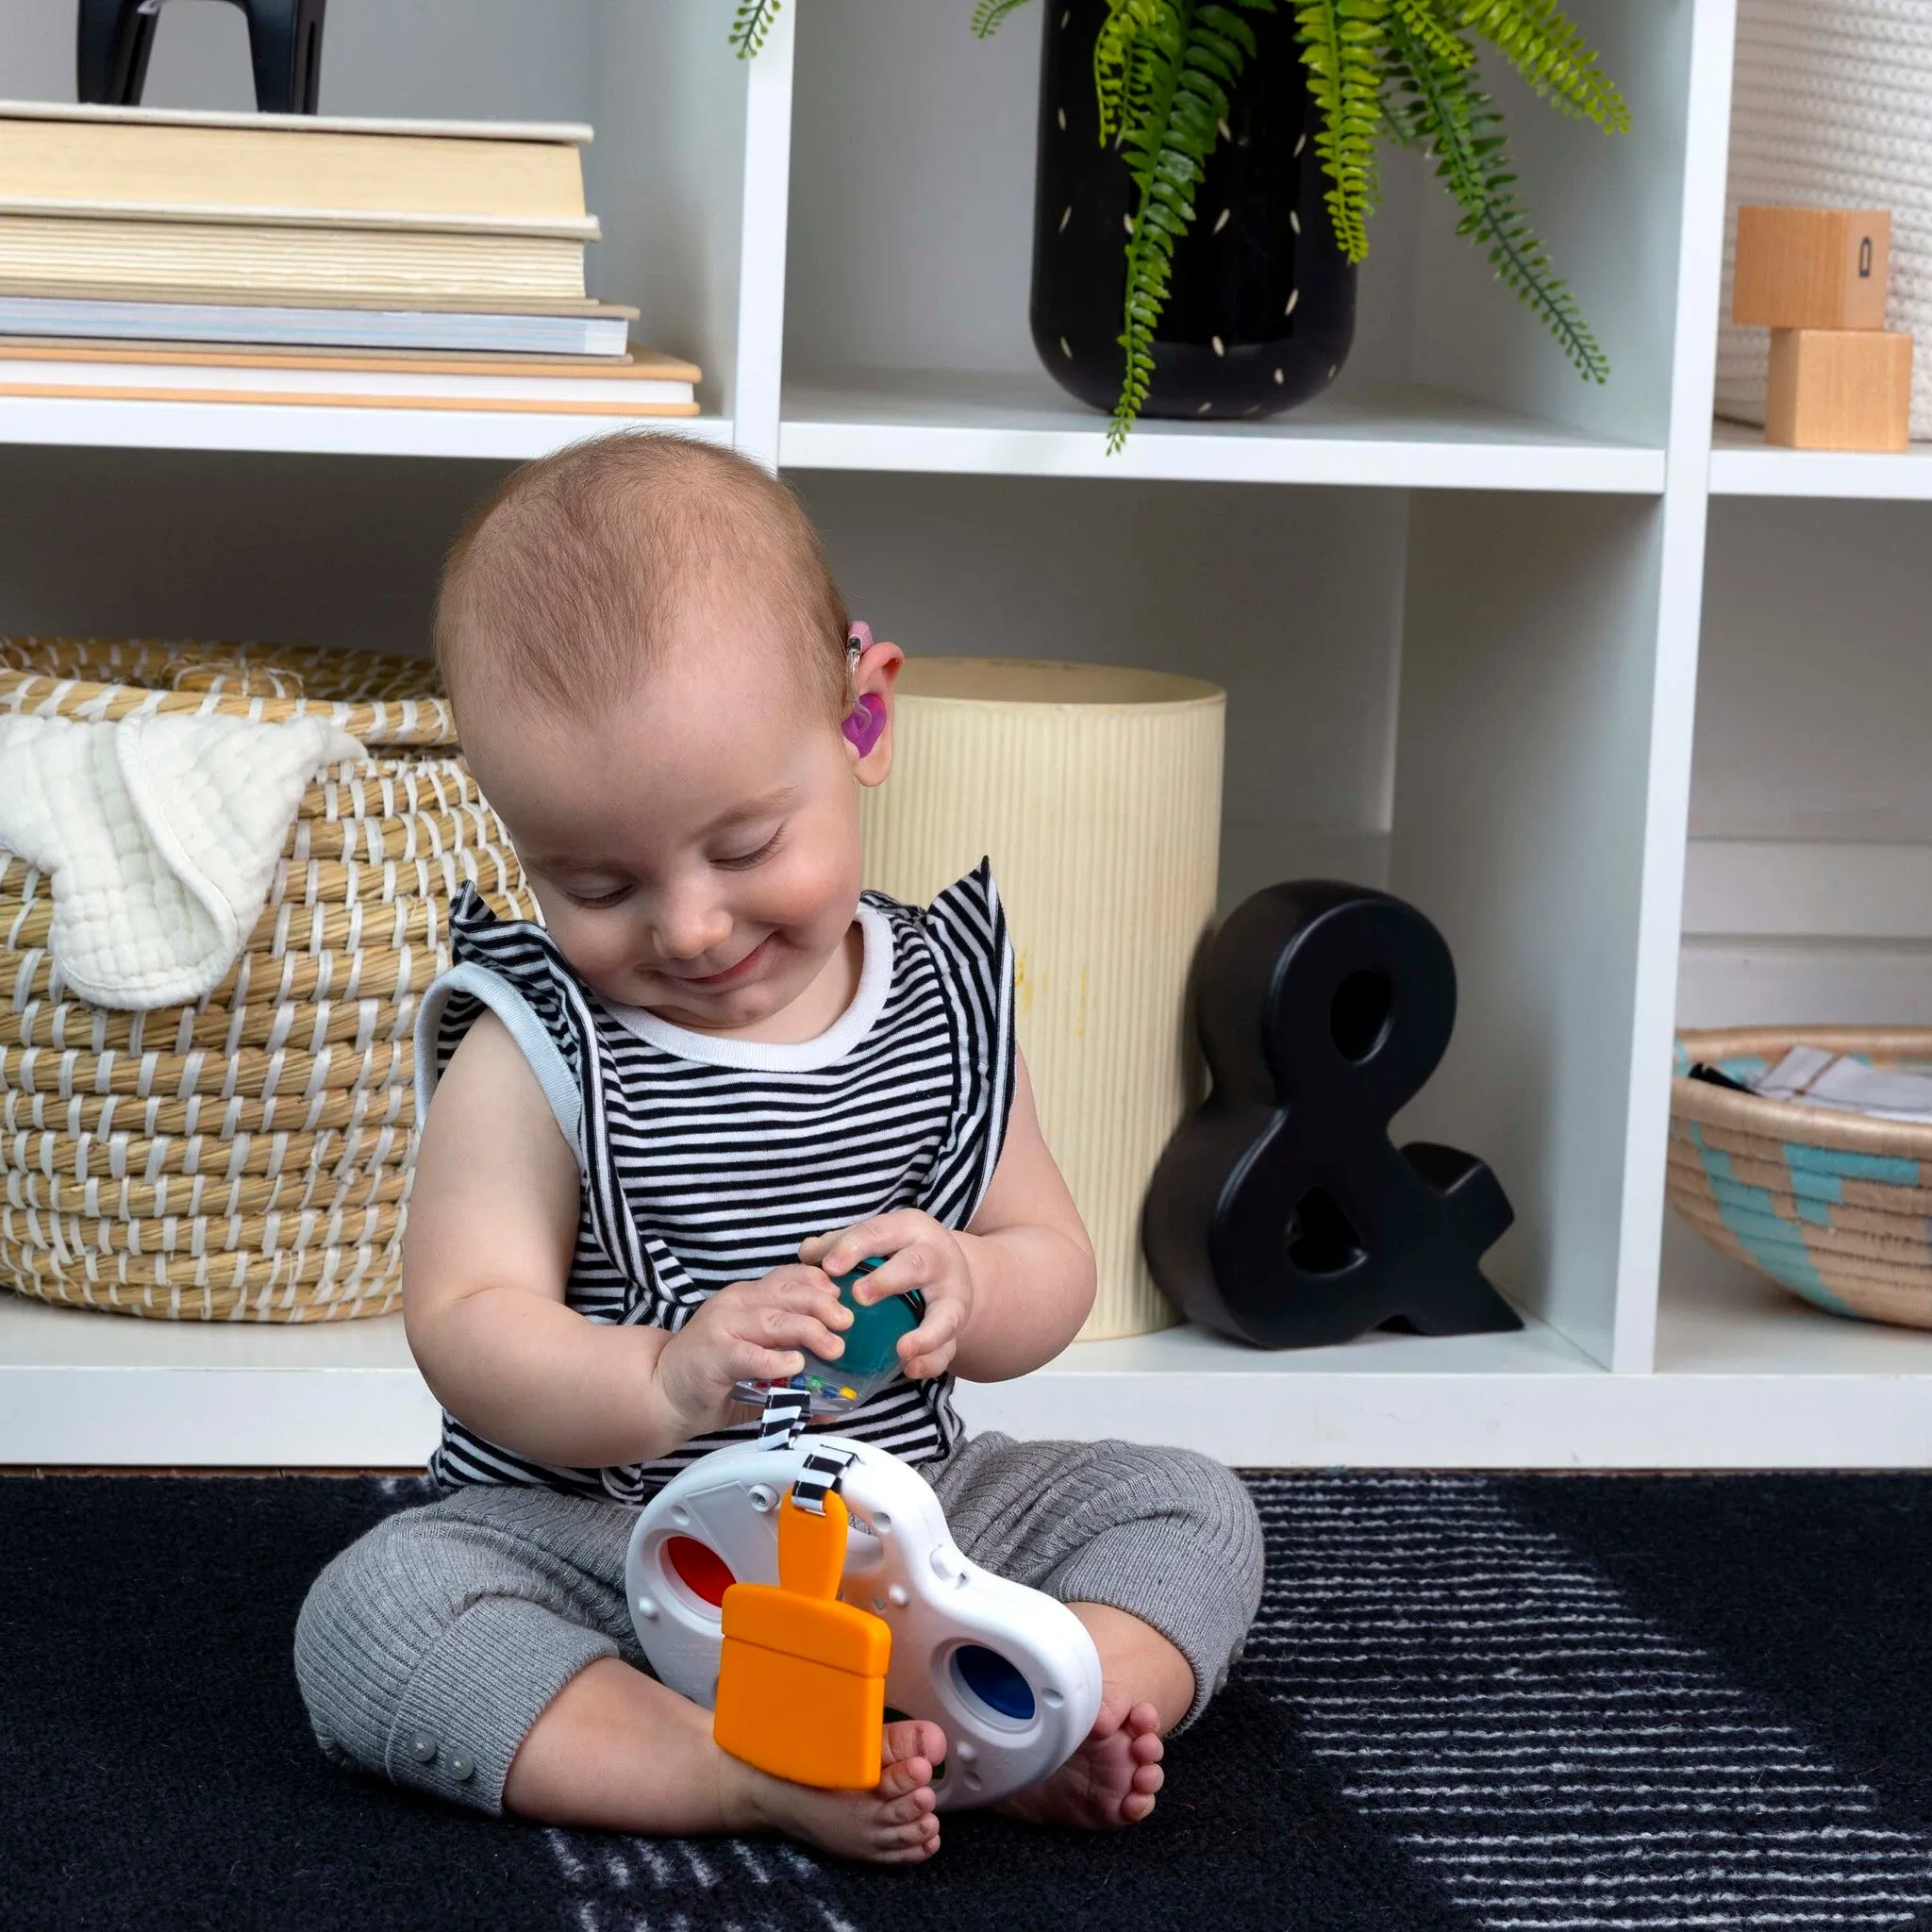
(1262, 310)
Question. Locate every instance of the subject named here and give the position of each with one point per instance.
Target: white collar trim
(774, 1056)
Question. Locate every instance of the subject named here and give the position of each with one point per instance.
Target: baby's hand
(751, 1331)
(920, 1253)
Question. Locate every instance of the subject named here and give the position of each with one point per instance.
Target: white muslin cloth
(159, 835)
(1838, 1080)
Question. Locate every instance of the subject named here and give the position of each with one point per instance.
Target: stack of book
(269, 257)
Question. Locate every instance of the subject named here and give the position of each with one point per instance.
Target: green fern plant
(751, 24)
(1399, 70)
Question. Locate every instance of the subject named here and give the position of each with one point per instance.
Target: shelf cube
(1811, 268)
(1838, 388)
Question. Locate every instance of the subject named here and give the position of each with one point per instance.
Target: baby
(717, 1075)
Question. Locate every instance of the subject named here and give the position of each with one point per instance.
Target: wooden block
(1811, 268)
(1838, 388)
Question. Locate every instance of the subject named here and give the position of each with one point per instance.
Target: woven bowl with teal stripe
(1836, 1207)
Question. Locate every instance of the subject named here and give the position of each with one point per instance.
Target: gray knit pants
(427, 1650)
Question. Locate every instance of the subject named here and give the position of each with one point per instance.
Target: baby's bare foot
(890, 1825)
(1110, 1781)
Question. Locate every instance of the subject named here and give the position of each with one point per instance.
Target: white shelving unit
(1742, 464)
(1456, 603)
(1393, 436)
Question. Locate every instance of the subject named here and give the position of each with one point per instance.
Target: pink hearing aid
(867, 719)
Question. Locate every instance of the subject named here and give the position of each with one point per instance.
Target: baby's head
(648, 660)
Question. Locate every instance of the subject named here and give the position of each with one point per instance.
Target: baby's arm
(492, 1227)
(1005, 1295)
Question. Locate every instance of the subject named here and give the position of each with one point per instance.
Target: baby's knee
(365, 1626)
(1169, 1536)
(419, 1666)
(1178, 1502)
(1203, 1540)
(1219, 1504)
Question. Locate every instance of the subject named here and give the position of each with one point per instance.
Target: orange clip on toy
(802, 1676)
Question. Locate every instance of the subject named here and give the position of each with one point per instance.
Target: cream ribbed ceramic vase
(1097, 794)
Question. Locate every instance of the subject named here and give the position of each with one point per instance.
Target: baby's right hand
(751, 1331)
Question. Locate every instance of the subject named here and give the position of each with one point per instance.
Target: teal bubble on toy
(870, 1356)
(872, 1343)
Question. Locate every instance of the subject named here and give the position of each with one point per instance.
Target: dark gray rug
(1527, 1703)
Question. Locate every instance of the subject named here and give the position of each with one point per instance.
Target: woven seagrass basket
(245, 1157)
(1836, 1207)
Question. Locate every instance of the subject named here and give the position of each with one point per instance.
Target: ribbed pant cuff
(474, 1696)
(1161, 1573)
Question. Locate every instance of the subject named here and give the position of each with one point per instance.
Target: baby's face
(695, 848)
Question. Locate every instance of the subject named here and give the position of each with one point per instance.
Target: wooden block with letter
(1811, 268)
(1838, 388)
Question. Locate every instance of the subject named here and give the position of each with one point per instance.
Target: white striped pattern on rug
(690, 1885)
(1556, 1760)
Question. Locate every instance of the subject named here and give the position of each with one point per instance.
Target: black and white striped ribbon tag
(824, 1469)
(786, 1413)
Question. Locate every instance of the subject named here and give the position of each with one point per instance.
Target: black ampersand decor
(1280, 1212)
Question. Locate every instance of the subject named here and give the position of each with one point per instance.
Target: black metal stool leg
(112, 40)
(285, 38)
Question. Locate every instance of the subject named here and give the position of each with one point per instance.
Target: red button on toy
(700, 1569)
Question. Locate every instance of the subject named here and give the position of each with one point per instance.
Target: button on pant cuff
(476, 1694)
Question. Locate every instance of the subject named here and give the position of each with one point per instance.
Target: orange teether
(802, 1678)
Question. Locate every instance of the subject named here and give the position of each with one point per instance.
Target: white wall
(323, 550)
(1812, 804)
(1289, 598)
(1607, 209)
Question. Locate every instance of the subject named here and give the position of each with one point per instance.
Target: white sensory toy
(1010, 1674)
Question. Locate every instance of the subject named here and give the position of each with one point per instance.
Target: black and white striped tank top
(706, 1159)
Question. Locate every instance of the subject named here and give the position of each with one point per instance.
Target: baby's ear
(869, 730)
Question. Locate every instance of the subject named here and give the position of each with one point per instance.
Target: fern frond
(1341, 45)
(1113, 50)
(988, 14)
(751, 24)
(1144, 69)
(1544, 44)
(1439, 106)
(1192, 55)
(1126, 60)
(1423, 22)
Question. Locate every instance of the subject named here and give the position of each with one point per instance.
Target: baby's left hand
(920, 1253)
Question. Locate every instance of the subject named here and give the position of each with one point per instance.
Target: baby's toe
(914, 1737)
(1147, 1749)
(905, 1855)
(1148, 1778)
(911, 1775)
(918, 1836)
(911, 1807)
